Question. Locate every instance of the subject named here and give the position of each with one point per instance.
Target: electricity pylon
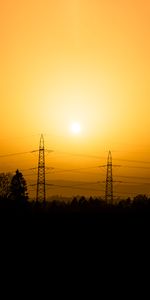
(109, 180)
(41, 191)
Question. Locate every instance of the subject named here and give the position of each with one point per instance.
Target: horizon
(67, 177)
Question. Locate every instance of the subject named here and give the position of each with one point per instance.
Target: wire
(130, 160)
(127, 193)
(72, 170)
(18, 153)
(133, 182)
(77, 154)
(136, 167)
(83, 183)
(99, 157)
(134, 177)
(73, 187)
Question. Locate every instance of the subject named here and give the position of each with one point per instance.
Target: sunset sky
(76, 61)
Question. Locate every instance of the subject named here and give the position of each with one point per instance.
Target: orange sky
(81, 60)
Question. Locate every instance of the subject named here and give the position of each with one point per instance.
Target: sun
(75, 128)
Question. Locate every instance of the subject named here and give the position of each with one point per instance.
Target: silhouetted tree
(5, 181)
(124, 203)
(74, 202)
(18, 188)
(91, 200)
(140, 201)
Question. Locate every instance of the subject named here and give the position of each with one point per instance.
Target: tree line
(14, 194)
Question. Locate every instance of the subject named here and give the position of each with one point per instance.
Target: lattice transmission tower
(109, 180)
(41, 191)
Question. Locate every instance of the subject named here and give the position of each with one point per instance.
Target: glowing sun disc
(75, 128)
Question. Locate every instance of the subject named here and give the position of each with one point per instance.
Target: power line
(74, 187)
(81, 183)
(131, 160)
(133, 177)
(74, 170)
(133, 182)
(76, 154)
(136, 167)
(98, 157)
(18, 153)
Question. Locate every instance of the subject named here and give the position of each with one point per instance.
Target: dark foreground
(76, 223)
(59, 243)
